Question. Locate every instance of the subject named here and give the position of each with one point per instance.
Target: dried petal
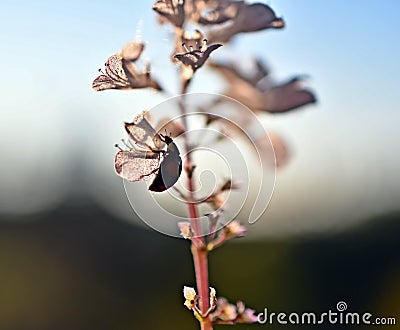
(224, 11)
(122, 74)
(213, 297)
(187, 41)
(136, 165)
(276, 99)
(139, 80)
(186, 230)
(288, 96)
(190, 297)
(172, 10)
(229, 185)
(132, 51)
(143, 133)
(104, 82)
(170, 127)
(249, 18)
(195, 56)
(225, 311)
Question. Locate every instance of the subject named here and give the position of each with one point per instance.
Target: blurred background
(74, 256)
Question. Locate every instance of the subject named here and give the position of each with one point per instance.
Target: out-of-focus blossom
(230, 185)
(247, 17)
(190, 297)
(234, 229)
(224, 11)
(227, 313)
(280, 147)
(172, 10)
(245, 315)
(121, 73)
(194, 57)
(275, 99)
(186, 230)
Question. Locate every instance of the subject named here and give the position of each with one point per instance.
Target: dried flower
(213, 298)
(245, 315)
(279, 98)
(149, 156)
(194, 57)
(227, 313)
(187, 40)
(121, 73)
(190, 297)
(231, 230)
(172, 10)
(132, 51)
(186, 230)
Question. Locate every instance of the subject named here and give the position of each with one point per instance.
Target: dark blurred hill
(77, 267)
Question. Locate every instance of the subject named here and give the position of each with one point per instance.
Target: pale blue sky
(345, 146)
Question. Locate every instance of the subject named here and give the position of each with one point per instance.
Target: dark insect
(150, 156)
(170, 168)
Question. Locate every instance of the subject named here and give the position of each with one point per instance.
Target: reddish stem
(198, 247)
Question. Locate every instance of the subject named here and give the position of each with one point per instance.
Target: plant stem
(198, 247)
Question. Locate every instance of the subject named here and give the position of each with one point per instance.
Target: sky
(345, 149)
